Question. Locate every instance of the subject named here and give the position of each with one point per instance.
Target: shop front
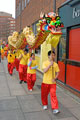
(69, 46)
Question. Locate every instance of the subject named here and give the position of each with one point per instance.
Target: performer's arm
(30, 61)
(35, 67)
(47, 68)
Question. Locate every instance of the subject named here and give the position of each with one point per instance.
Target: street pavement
(17, 103)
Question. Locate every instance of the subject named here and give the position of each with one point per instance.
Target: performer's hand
(21, 55)
(51, 63)
(30, 68)
(30, 59)
(54, 80)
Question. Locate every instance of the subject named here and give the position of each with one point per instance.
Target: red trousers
(31, 78)
(45, 89)
(10, 67)
(17, 64)
(23, 72)
(5, 54)
(2, 56)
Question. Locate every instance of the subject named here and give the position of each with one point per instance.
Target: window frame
(60, 54)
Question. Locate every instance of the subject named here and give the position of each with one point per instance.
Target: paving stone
(76, 111)
(1, 68)
(17, 103)
(9, 104)
(69, 102)
(62, 95)
(7, 97)
(25, 98)
(11, 115)
(68, 118)
(4, 65)
(35, 90)
(30, 104)
(37, 116)
(4, 90)
(64, 112)
(15, 87)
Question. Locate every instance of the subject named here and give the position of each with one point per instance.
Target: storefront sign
(76, 13)
(70, 15)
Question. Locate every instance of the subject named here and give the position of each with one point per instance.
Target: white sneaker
(45, 107)
(56, 111)
(30, 90)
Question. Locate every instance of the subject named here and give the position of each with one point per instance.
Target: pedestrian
(23, 66)
(16, 52)
(11, 59)
(31, 72)
(51, 72)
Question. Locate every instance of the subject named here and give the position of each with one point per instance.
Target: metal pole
(54, 6)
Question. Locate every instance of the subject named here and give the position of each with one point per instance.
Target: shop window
(22, 4)
(28, 1)
(25, 3)
(38, 50)
(34, 27)
(19, 10)
(62, 46)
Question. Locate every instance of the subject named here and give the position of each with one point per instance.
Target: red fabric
(17, 64)
(23, 72)
(10, 68)
(5, 54)
(31, 78)
(2, 56)
(45, 89)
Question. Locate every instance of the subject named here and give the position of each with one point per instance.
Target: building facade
(69, 47)
(7, 25)
(68, 55)
(28, 11)
(28, 14)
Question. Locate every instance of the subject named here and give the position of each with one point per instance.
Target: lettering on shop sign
(76, 13)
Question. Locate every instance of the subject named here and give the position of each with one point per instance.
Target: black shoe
(10, 74)
(21, 81)
(25, 82)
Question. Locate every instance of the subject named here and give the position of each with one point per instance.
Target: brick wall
(59, 3)
(31, 13)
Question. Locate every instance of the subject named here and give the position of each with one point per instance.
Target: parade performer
(17, 53)
(31, 72)
(5, 51)
(51, 72)
(2, 53)
(23, 66)
(11, 59)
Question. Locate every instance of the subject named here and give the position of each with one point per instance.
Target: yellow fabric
(50, 74)
(24, 59)
(20, 51)
(2, 51)
(11, 59)
(28, 54)
(8, 51)
(17, 53)
(33, 64)
(53, 39)
(14, 52)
